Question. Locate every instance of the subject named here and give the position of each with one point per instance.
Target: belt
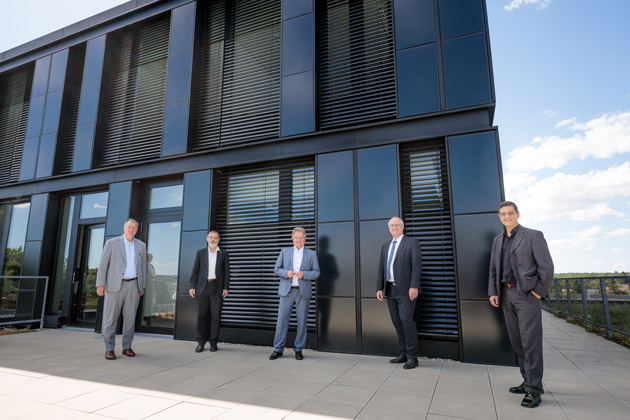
(295, 287)
(509, 285)
(209, 280)
(391, 283)
(135, 278)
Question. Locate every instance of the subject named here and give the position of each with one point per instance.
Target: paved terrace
(62, 374)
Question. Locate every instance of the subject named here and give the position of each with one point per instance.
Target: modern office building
(252, 117)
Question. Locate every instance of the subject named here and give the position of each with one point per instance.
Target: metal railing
(22, 299)
(599, 301)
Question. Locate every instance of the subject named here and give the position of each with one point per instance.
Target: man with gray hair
(122, 279)
(296, 267)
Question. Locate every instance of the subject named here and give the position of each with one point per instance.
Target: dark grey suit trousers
(209, 304)
(523, 318)
(401, 310)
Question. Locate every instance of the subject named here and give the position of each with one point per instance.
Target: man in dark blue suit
(398, 281)
(296, 267)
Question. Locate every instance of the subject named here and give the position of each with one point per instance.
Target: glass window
(94, 205)
(17, 238)
(62, 254)
(253, 197)
(164, 197)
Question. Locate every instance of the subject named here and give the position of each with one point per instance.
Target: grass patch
(620, 339)
(8, 331)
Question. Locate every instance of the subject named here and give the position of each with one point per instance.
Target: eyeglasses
(396, 226)
(510, 213)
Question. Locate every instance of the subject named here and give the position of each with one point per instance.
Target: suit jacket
(114, 261)
(309, 266)
(531, 263)
(199, 275)
(407, 265)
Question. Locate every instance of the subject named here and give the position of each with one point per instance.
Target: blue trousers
(284, 315)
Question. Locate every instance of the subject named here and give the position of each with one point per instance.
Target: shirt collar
(514, 231)
(218, 249)
(399, 239)
(126, 241)
(298, 250)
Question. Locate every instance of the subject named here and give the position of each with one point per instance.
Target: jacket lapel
(121, 248)
(519, 238)
(401, 245)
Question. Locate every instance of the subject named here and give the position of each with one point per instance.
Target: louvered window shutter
(427, 217)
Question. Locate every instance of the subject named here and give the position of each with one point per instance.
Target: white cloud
(516, 4)
(584, 239)
(618, 233)
(618, 250)
(566, 122)
(550, 113)
(601, 138)
(580, 197)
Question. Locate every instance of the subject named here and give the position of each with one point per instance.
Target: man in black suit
(521, 271)
(398, 280)
(209, 283)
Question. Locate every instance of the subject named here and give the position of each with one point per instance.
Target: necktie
(389, 261)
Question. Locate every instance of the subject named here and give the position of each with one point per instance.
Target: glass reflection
(89, 298)
(94, 205)
(17, 238)
(253, 197)
(162, 267)
(62, 254)
(163, 197)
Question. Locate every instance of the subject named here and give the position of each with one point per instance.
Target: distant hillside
(573, 275)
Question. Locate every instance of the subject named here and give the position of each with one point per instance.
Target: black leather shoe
(213, 347)
(298, 355)
(518, 389)
(199, 348)
(412, 362)
(400, 359)
(531, 400)
(275, 355)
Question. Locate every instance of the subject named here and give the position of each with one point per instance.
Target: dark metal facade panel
(378, 335)
(486, 338)
(336, 318)
(336, 259)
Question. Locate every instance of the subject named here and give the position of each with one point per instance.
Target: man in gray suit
(209, 284)
(296, 267)
(122, 279)
(398, 280)
(521, 271)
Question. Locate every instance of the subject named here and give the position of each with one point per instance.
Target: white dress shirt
(297, 262)
(130, 253)
(393, 257)
(212, 263)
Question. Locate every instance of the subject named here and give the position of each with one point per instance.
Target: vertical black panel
(378, 335)
(37, 217)
(378, 183)
(292, 8)
(178, 79)
(373, 235)
(35, 117)
(83, 148)
(413, 23)
(185, 318)
(337, 325)
(466, 72)
(418, 87)
(94, 58)
(118, 207)
(175, 132)
(197, 190)
(46, 156)
(336, 259)
(182, 28)
(459, 17)
(89, 101)
(191, 242)
(474, 173)
(298, 113)
(40, 78)
(297, 45)
(53, 110)
(473, 236)
(29, 158)
(31, 258)
(58, 70)
(485, 337)
(335, 196)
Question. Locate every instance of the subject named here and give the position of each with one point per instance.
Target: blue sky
(562, 82)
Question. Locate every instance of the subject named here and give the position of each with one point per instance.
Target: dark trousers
(402, 309)
(209, 304)
(523, 318)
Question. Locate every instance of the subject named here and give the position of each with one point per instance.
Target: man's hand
(143, 290)
(100, 290)
(413, 293)
(494, 300)
(225, 293)
(379, 295)
(300, 274)
(191, 292)
(290, 274)
(536, 294)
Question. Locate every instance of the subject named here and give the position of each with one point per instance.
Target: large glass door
(85, 299)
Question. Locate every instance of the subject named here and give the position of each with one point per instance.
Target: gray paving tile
(576, 388)
(189, 411)
(297, 388)
(137, 408)
(271, 404)
(222, 397)
(367, 380)
(252, 383)
(599, 406)
(464, 377)
(373, 413)
(542, 412)
(416, 386)
(458, 407)
(465, 391)
(315, 409)
(316, 375)
(404, 401)
(342, 393)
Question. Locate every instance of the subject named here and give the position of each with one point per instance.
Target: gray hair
(130, 220)
(298, 229)
(213, 231)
